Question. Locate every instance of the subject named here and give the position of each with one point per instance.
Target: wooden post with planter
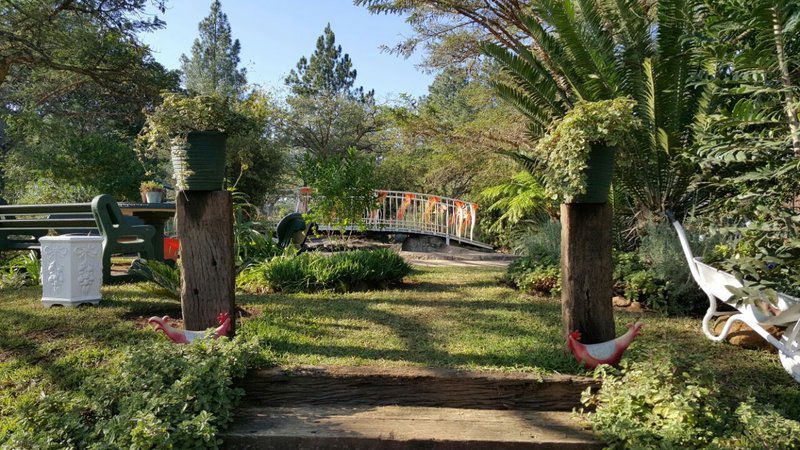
(204, 215)
(577, 163)
(586, 248)
(194, 129)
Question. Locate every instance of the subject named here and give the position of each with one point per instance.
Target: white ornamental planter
(72, 270)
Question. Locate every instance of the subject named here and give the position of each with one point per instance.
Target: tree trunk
(205, 227)
(5, 68)
(586, 271)
(786, 80)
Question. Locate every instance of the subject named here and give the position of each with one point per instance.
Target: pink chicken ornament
(179, 336)
(609, 352)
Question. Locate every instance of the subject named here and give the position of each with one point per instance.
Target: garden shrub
(160, 396)
(654, 404)
(535, 275)
(316, 271)
(544, 279)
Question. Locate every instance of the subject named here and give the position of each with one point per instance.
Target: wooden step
(423, 387)
(405, 427)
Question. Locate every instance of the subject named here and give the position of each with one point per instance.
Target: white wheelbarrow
(785, 313)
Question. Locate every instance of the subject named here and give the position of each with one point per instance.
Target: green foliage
(68, 36)
(660, 251)
(21, 270)
(657, 274)
(538, 270)
(326, 115)
(213, 65)
(47, 190)
(765, 254)
(564, 150)
(521, 199)
(178, 115)
(749, 144)
(160, 396)
(325, 125)
(344, 186)
(656, 404)
(256, 156)
(55, 157)
(251, 245)
(449, 141)
(316, 271)
(761, 426)
(587, 51)
(165, 279)
(543, 278)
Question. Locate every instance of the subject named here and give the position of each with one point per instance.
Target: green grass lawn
(450, 317)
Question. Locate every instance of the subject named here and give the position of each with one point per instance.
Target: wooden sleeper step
(420, 387)
(405, 427)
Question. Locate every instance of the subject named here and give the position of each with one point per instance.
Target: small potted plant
(193, 131)
(152, 191)
(578, 150)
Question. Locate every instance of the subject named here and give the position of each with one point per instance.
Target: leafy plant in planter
(193, 131)
(577, 153)
(148, 187)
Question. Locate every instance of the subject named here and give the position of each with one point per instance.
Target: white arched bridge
(414, 213)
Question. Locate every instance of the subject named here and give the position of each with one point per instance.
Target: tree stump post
(587, 271)
(205, 226)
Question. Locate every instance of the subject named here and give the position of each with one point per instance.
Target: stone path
(457, 257)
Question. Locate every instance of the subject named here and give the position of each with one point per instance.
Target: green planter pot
(598, 175)
(201, 167)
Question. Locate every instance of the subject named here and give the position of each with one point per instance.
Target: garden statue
(179, 336)
(609, 352)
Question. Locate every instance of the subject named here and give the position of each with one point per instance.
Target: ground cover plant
(665, 403)
(343, 271)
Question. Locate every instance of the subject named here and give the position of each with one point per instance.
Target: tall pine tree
(213, 66)
(326, 114)
(327, 72)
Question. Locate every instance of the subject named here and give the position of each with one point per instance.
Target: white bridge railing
(412, 212)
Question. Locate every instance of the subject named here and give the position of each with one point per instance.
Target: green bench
(21, 226)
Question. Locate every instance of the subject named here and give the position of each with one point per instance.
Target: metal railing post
(447, 226)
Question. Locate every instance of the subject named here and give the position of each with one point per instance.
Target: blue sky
(275, 33)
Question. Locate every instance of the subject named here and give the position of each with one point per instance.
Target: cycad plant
(592, 50)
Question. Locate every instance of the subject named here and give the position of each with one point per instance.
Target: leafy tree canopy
(450, 31)
(92, 38)
(449, 141)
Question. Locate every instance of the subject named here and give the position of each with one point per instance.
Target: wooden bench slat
(45, 224)
(46, 209)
